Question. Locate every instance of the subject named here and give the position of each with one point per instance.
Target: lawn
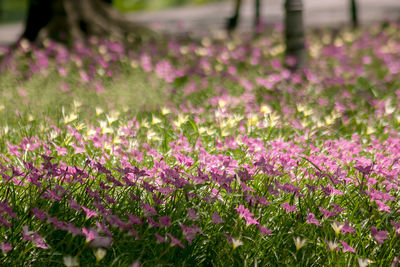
(202, 153)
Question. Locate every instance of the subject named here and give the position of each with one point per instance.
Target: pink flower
(397, 226)
(160, 239)
(379, 236)
(175, 241)
(243, 212)
(89, 213)
(250, 221)
(337, 208)
(288, 207)
(382, 206)
(192, 214)
(26, 234)
(5, 247)
(165, 221)
(264, 230)
(327, 213)
(134, 219)
(89, 234)
(74, 205)
(189, 233)
(216, 218)
(347, 229)
(39, 242)
(347, 248)
(246, 188)
(152, 223)
(246, 214)
(149, 209)
(311, 219)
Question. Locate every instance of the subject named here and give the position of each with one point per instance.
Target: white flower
(99, 111)
(337, 227)
(100, 253)
(236, 243)
(70, 261)
(299, 243)
(155, 120)
(364, 262)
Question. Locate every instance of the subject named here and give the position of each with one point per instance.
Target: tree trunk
(233, 21)
(354, 13)
(72, 21)
(296, 53)
(257, 15)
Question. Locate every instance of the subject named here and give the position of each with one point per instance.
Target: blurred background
(198, 17)
(14, 10)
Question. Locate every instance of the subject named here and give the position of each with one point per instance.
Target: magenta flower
(134, 219)
(192, 214)
(39, 242)
(175, 241)
(327, 213)
(149, 209)
(89, 234)
(5, 247)
(379, 236)
(311, 219)
(89, 213)
(243, 212)
(264, 230)
(247, 215)
(382, 206)
(188, 232)
(152, 223)
(26, 234)
(347, 248)
(74, 205)
(337, 208)
(160, 239)
(165, 221)
(216, 218)
(397, 226)
(288, 207)
(347, 229)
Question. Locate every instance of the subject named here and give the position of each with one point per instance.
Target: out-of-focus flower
(70, 118)
(236, 243)
(99, 111)
(299, 243)
(265, 109)
(77, 104)
(347, 248)
(216, 218)
(364, 262)
(105, 129)
(337, 227)
(379, 236)
(70, 261)
(165, 111)
(113, 116)
(100, 253)
(181, 120)
(252, 120)
(332, 245)
(5, 247)
(155, 120)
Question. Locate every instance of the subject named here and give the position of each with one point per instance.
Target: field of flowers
(202, 153)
